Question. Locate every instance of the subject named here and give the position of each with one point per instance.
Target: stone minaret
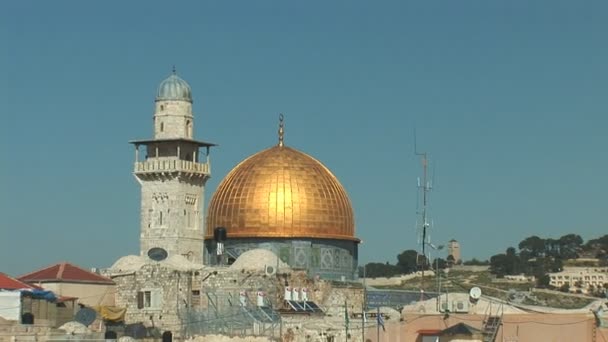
(172, 174)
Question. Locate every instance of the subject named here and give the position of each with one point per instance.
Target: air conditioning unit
(460, 306)
(444, 307)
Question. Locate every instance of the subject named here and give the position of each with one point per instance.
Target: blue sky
(508, 97)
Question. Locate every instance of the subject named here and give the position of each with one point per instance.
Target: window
(162, 126)
(149, 299)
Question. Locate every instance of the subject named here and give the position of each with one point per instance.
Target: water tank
(27, 318)
(167, 336)
(220, 234)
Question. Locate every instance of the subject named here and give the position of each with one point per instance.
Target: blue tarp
(40, 294)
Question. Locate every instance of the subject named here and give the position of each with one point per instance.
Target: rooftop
(64, 273)
(10, 283)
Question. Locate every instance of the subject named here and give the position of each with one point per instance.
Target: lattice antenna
(424, 187)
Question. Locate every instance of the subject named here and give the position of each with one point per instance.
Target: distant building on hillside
(454, 251)
(583, 278)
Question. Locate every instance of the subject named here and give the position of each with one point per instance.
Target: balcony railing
(171, 166)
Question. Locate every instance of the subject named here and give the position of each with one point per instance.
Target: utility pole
(378, 323)
(363, 306)
(346, 320)
(363, 322)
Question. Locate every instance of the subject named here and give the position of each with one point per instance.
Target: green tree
(439, 263)
(498, 265)
(378, 269)
(451, 261)
(569, 246)
(532, 247)
(409, 260)
(475, 262)
(544, 281)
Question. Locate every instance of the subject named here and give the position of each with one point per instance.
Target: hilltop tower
(454, 250)
(172, 173)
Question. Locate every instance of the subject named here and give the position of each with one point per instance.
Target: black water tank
(219, 234)
(167, 336)
(27, 318)
(110, 335)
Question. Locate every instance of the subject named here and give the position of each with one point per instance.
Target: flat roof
(191, 141)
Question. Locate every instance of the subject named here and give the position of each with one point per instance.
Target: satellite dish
(157, 254)
(270, 270)
(475, 293)
(85, 316)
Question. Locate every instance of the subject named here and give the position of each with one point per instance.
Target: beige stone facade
(87, 294)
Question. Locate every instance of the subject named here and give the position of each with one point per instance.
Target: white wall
(10, 305)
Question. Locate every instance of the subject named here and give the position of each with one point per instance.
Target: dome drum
(329, 259)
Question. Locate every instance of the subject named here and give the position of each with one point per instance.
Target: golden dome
(281, 193)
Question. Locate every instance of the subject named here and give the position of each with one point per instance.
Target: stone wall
(172, 215)
(169, 291)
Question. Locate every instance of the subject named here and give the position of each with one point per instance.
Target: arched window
(162, 126)
(189, 128)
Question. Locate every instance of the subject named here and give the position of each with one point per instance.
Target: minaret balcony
(175, 165)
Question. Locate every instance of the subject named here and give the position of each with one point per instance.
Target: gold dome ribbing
(284, 193)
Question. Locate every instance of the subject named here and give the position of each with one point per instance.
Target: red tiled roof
(10, 283)
(64, 273)
(428, 332)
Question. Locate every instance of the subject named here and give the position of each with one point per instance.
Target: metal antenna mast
(425, 188)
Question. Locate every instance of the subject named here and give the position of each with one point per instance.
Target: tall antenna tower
(424, 186)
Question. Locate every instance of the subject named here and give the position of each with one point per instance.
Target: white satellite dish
(475, 293)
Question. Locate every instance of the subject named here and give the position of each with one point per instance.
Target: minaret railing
(171, 165)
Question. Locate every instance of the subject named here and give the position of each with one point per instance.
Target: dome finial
(281, 129)
(174, 72)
